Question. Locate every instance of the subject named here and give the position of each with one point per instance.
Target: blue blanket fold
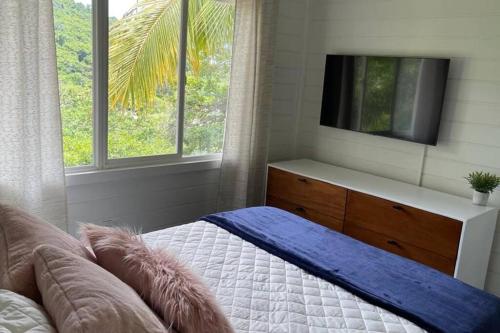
(434, 301)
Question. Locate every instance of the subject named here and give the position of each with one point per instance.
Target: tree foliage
(144, 46)
(73, 35)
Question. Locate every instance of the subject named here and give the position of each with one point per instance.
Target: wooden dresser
(437, 229)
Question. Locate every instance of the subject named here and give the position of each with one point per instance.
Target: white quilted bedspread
(262, 293)
(19, 314)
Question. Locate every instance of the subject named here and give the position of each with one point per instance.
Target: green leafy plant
(484, 182)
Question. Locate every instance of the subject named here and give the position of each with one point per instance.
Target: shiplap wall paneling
(144, 203)
(466, 31)
(288, 76)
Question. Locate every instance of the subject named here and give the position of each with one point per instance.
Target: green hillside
(73, 29)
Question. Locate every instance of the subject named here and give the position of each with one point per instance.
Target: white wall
(145, 200)
(289, 61)
(467, 31)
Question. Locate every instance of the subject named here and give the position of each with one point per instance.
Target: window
(384, 94)
(142, 81)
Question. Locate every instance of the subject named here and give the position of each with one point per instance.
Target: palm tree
(144, 46)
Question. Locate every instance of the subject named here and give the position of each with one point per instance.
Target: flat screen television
(397, 97)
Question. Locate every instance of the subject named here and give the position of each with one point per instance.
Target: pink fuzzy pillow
(169, 287)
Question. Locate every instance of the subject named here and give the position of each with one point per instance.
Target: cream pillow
(19, 314)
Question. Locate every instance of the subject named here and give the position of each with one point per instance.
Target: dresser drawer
(308, 193)
(306, 213)
(443, 264)
(412, 226)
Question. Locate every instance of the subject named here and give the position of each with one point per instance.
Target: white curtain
(247, 121)
(31, 161)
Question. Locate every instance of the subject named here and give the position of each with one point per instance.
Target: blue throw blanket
(432, 300)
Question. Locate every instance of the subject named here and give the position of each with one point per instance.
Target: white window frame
(100, 35)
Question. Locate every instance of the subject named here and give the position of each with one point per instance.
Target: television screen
(389, 96)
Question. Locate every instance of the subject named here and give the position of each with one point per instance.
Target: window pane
(143, 57)
(404, 103)
(210, 37)
(73, 33)
(379, 94)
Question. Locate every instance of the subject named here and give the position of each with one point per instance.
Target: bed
(260, 292)
(273, 271)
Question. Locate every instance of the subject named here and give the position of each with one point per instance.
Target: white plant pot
(480, 198)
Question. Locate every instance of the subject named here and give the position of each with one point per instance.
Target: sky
(116, 7)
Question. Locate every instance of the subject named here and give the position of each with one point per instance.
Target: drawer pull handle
(393, 242)
(303, 180)
(300, 209)
(398, 207)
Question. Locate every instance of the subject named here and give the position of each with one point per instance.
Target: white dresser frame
(478, 226)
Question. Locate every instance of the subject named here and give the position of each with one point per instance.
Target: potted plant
(483, 184)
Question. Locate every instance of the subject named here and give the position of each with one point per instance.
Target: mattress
(260, 292)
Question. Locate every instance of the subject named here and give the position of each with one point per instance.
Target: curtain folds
(249, 106)
(31, 159)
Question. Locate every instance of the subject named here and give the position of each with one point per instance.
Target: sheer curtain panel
(31, 161)
(247, 121)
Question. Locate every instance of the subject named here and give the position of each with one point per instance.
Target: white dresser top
(451, 206)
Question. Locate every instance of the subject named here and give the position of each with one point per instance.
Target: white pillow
(19, 314)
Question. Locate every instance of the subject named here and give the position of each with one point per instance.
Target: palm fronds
(144, 46)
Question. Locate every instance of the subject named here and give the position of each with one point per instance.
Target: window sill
(108, 175)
